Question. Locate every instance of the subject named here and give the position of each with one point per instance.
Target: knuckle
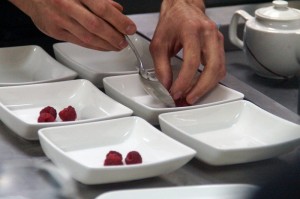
(220, 37)
(194, 63)
(87, 39)
(209, 25)
(101, 10)
(93, 25)
(154, 45)
(193, 24)
(57, 2)
(63, 5)
(209, 28)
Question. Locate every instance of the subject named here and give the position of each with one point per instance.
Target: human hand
(184, 25)
(97, 24)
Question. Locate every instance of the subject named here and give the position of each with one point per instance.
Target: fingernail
(177, 95)
(123, 44)
(130, 29)
(193, 100)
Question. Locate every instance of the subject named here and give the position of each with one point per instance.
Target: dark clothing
(17, 29)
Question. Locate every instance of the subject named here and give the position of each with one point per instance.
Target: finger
(65, 28)
(96, 26)
(117, 5)
(67, 36)
(88, 38)
(191, 62)
(113, 16)
(162, 63)
(214, 69)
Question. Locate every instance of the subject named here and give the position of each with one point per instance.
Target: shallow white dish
(94, 65)
(219, 191)
(81, 150)
(128, 90)
(30, 64)
(20, 105)
(232, 133)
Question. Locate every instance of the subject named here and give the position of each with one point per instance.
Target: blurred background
(17, 29)
(145, 6)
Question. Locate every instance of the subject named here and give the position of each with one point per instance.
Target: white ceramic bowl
(81, 150)
(22, 65)
(217, 191)
(128, 90)
(94, 65)
(232, 133)
(20, 105)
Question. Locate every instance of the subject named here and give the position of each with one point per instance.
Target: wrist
(169, 3)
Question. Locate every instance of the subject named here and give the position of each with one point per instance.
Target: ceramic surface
(94, 65)
(22, 65)
(219, 191)
(20, 105)
(128, 90)
(232, 133)
(271, 39)
(81, 150)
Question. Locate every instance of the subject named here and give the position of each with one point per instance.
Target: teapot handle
(233, 27)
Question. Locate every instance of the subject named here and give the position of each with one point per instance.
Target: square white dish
(232, 133)
(31, 64)
(218, 191)
(81, 150)
(128, 90)
(94, 65)
(20, 105)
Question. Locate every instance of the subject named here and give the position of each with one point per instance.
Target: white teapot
(271, 39)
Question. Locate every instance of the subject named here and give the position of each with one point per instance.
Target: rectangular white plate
(128, 90)
(20, 105)
(219, 191)
(94, 65)
(81, 150)
(232, 133)
(22, 65)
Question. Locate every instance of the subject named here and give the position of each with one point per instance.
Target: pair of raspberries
(48, 114)
(115, 158)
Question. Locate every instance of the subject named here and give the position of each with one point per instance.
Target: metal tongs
(151, 84)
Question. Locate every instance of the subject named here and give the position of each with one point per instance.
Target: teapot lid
(278, 11)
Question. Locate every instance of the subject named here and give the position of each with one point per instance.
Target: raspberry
(113, 158)
(181, 102)
(46, 117)
(114, 153)
(49, 109)
(133, 157)
(68, 114)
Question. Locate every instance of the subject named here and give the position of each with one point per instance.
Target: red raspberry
(46, 117)
(49, 109)
(181, 102)
(114, 153)
(133, 157)
(113, 158)
(68, 114)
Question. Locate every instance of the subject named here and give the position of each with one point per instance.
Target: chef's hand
(97, 24)
(184, 25)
